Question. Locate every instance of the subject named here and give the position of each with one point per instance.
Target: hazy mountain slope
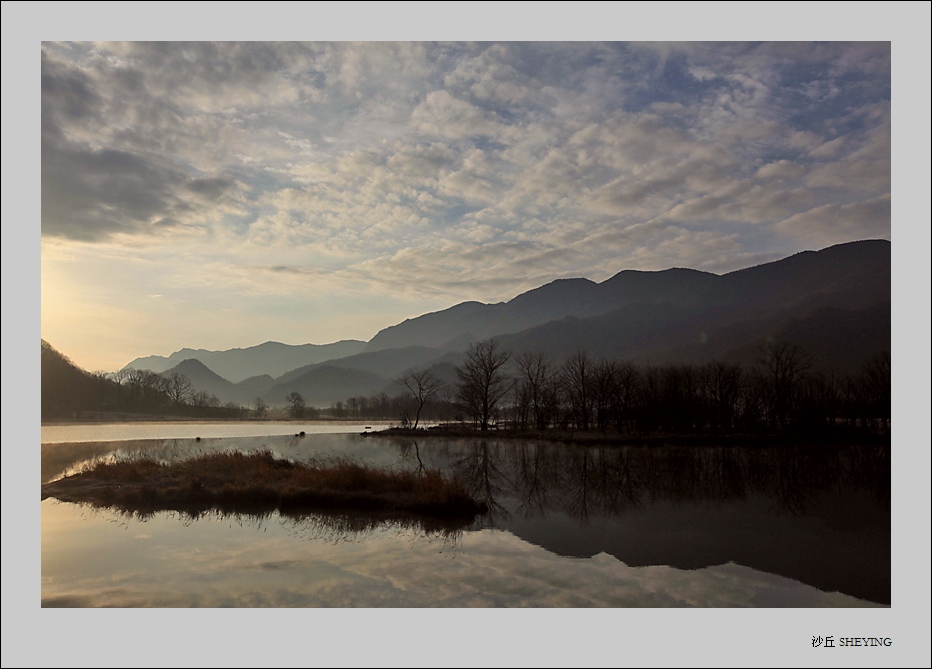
(203, 378)
(65, 387)
(388, 363)
(238, 364)
(325, 384)
(848, 276)
(438, 328)
(249, 389)
(627, 333)
(840, 339)
(835, 302)
(676, 286)
(471, 321)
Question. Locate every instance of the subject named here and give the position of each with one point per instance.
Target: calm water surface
(75, 432)
(569, 526)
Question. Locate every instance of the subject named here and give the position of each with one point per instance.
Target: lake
(569, 526)
(84, 432)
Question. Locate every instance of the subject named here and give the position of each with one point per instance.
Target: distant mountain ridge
(835, 303)
(579, 298)
(237, 364)
(204, 378)
(853, 274)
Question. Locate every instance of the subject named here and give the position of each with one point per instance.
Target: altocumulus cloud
(517, 162)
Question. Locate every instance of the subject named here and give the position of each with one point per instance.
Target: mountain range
(834, 303)
(237, 364)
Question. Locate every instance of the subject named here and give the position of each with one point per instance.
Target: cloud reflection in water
(220, 562)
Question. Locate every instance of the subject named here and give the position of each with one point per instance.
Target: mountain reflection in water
(803, 521)
(818, 514)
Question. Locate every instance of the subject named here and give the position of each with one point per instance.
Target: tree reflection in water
(533, 478)
(480, 468)
(815, 513)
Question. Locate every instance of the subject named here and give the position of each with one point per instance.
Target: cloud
(446, 171)
(444, 116)
(781, 171)
(90, 194)
(834, 223)
(493, 133)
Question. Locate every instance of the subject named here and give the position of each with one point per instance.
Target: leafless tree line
(780, 393)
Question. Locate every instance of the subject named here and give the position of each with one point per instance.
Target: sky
(176, 134)
(223, 194)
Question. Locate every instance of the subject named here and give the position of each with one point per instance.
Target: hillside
(271, 358)
(853, 277)
(66, 388)
(835, 303)
(325, 384)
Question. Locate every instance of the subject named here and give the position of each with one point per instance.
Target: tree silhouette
(262, 408)
(423, 385)
(483, 382)
(784, 366)
(296, 410)
(178, 388)
(537, 378)
(577, 379)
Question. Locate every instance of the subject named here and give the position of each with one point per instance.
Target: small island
(260, 483)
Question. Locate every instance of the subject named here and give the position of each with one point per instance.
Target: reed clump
(258, 482)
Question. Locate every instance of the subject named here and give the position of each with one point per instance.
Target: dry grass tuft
(258, 483)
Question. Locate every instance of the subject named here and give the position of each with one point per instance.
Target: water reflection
(83, 432)
(585, 481)
(60, 459)
(816, 513)
(218, 562)
(658, 524)
(357, 527)
(333, 525)
(481, 469)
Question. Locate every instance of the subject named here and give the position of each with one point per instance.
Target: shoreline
(149, 418)
(260, 483)
(607, 439)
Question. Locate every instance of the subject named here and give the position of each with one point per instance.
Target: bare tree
(577, 378)
(627, 387)
(784, 365)
(536, 374)
(722, 385)
(262, 408)
(483, 382)
(604, 391)
(178, 388)
(297, 404)
(875, 387)
(203, 399)
(145, 386)
(423, 385)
